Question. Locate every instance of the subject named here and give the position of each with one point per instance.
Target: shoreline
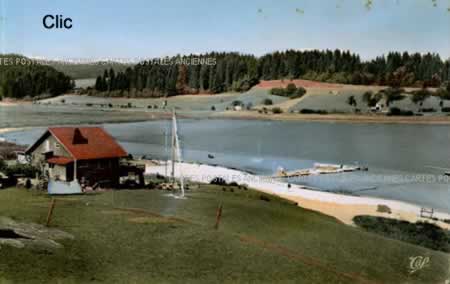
(365, 118)
(336, 118)
(342, 207)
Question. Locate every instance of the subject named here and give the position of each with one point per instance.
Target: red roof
(87, 143)
(59, 160)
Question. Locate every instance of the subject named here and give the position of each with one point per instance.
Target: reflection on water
(400, 157)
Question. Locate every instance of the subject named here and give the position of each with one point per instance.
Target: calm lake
(406, 162)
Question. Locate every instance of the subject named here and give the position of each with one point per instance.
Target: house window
(57, 145)
(83, 164)
(47, 145)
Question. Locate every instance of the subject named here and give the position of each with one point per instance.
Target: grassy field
(148, 237)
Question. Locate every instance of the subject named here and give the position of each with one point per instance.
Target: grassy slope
(258, 241)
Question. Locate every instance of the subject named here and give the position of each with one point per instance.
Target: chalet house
(85, 154)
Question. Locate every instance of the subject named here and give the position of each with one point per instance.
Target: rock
(31, 235)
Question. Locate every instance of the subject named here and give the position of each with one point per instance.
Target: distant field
(299, 83)
(146, 236)
(85, 83)
(185, 102)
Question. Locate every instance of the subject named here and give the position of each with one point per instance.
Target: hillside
(146, 236)
(224, 72)
(21, 78)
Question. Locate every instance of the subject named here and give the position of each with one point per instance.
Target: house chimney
(78, 137)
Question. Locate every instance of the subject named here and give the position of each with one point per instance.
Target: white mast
(176, 152)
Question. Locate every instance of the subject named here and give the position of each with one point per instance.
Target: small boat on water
(211, 156)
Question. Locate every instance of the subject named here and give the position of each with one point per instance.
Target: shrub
(22, 170)
(277, 110)
(28, 184)
(395, 111)
(421, 233)
(299, 93)
(393, 94)
(290, 89)
(312, 111)
(237, 103)
(427, 110)
(264, 198)
(245, 84)
(445, 109)
(420, 96)
(384, 209)
(267, 102)
(218, 181)
(213, 108)
(277, 92)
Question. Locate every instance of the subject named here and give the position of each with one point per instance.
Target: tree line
(30, 80)
(239, 72)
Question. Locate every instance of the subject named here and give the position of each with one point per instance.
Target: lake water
(403, 160)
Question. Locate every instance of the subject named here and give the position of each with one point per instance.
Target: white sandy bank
(342, 207)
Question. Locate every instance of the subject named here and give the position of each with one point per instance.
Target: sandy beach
(342, 207)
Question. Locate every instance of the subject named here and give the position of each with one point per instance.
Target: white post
(75, 170)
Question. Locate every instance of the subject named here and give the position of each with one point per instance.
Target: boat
(211, 156)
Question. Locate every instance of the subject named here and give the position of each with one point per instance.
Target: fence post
(218, 217)
(50, 212)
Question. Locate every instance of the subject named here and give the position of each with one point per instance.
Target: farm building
(85, 154)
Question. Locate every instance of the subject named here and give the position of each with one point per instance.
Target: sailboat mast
(173, 145)
(176, 152)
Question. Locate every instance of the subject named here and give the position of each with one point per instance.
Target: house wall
(58, 172)
(47, 145)
(101, 170)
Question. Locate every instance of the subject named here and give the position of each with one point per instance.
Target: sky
(108, 29)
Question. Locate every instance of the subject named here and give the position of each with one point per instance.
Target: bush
(427, 110)
(395, 111)
(22, 170)
(393, 94)
(237, 103)
(213, 108)
(267, 102)
(2, 164)
(277, 92)
(420, 96)
(245, 84)
(421, 233)
(445, 109)
(218, 181)
(291, 91)
(312, 111)
(277, 110)
(264, 198)
(299, 93)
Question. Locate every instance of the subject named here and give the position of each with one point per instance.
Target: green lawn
(147, 237)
